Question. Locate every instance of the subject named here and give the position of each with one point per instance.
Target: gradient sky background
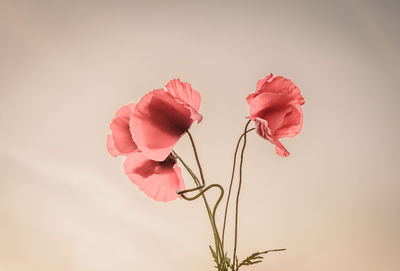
(67, 66)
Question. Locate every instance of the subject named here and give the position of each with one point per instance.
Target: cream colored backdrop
(67, 66)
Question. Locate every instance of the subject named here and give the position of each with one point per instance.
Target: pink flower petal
(157, 124)
(187, 96)
(280, 149)
(267, 102)
(276, 118)
(292, 123)
(111, 146)
(261, 83)
(263, 129)
(185, 92)
(156, 180)
(280, 84)
(121, 133)
(277, 84)
(259, 89)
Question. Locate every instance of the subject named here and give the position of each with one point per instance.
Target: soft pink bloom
(162, 117)
(275, 107)
(120, 141)
(158, 180)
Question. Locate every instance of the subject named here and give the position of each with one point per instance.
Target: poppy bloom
(161, 117)
(275, 107)
(158, 180)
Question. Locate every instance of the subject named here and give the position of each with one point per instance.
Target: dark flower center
(172, 118)
(169, 162)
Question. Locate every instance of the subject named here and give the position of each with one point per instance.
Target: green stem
(201, 193)
(219, 243)
(230, 185)
(197, 157)
(196, 180)
(238, 193)
(210, 214)
(182, 193)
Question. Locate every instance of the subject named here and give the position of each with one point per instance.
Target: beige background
(66, 66)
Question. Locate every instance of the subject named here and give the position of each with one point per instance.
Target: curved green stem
(219, 243)
(238, 193)
(182, 193)
(201, 193)
(210, 214)
(230, 185)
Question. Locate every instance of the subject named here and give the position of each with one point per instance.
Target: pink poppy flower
(158, 180)
(120, 141)
(162, 117)
(275, 107)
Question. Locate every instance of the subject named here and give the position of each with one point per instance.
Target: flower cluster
(146, 133)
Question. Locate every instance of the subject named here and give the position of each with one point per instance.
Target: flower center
(169, 162)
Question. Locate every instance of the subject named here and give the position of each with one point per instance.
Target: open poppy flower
(158, 180)
(120, 141)
(161, 117)
(275, 107)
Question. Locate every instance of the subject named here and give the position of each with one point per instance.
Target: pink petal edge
(122, 137)
(264, 131)
(187, 96)
(111, 146)
(158, 186)
(280, 149)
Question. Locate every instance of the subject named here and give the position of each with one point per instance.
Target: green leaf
(256, 257)
(214, 255)
(226, 263)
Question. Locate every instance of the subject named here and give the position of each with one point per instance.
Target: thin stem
(211, 215)
(230, 185)
(219, 243)
(201, 193)
(238, 193)
(273, 250)
(182, 193)
(195, 179)
(197, 157)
